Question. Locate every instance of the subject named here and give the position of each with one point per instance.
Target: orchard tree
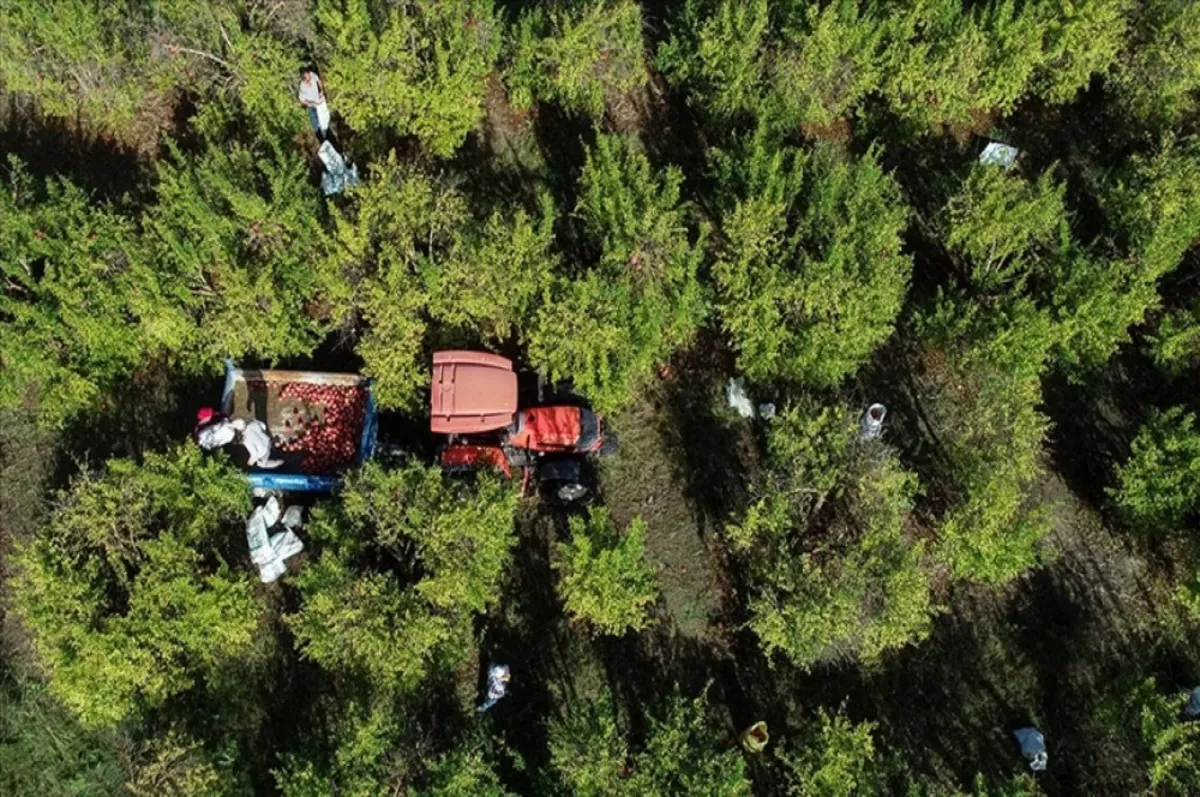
(1153, 205)
(446, 545)
(933, 63)
(1159, 70)
(351, 745)
(1175, 343)
(584, 56)
(79, 58)
(234, 235)
(833, 572)
(175, 764)
(1164, 741)
(682, 754)
(1080, 39)
(1094, 299)
(406, 248)
(417, 69)
(836, 758)
(126, 591)
(384, 239)
(463, 770)
(80, 304)
(1001, 224)
(588, 749)
(608, 327)
(811, 277)
(979, 388)
(716, 53)
(1158, 487)
(828, 60)
(491, 281)
(605, 577)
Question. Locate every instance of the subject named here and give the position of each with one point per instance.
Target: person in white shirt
(312, 97)
(215, 431)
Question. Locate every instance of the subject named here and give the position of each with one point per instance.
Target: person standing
(312, 97)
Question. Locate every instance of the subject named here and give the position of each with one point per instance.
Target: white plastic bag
(258, 532)
(736, 397)
(1033, 747)
(216, 435)
(323, 116)
(258, 445)
(286, 544)
(871, 423)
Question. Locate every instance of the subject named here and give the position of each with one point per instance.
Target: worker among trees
(498, 678)
(312, 97)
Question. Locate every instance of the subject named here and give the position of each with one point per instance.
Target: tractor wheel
(609, 445)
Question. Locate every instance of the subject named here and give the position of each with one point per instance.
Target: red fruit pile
(329, 430)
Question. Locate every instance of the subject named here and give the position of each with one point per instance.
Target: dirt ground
(643, 481)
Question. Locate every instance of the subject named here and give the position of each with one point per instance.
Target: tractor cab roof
(473, 392)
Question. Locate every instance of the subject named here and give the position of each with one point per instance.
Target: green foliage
(1170, 742)
(853, 585)
(584, 56)
(1094, 300)
(1154, 203)
(75, 283)
(588, 748)
(43, 750)
(78, 57)
(398, 221)
(933, 66)
(357, 758)
(1000, 223)
(980, 390)
(1159, 486)
(460, 772)
(453, 540)
(716, 52)
(1160, 70)
(827, 62)
(493, 277)
(1175, 344)
(234, 234)
(605, 578)
(173, 765)
(419, 69)
(811, 305)
(837, 759)
(684, 755)
(124, 591)
(608, 328)
(1080, 39)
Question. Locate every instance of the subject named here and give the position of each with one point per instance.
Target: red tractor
(474, 402)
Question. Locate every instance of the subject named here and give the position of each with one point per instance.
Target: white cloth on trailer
(217, 434)
(258, 444)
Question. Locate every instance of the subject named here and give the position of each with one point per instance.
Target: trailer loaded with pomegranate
(322, 424)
